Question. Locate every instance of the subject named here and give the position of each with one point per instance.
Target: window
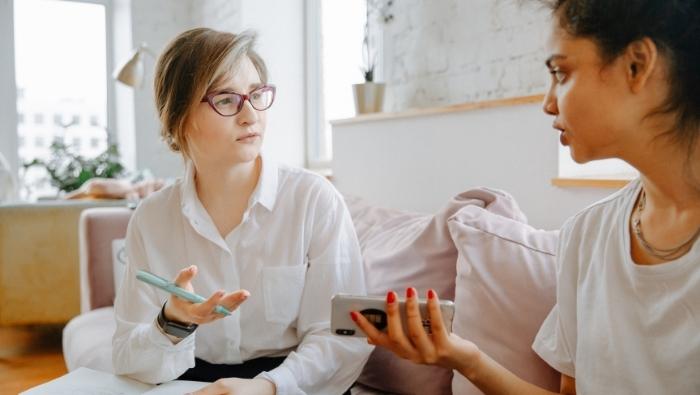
(334, 40)
(60, 76)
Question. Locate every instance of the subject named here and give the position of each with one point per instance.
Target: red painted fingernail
(410, 292)
(431, 294)
(390, 297)
(353, 315)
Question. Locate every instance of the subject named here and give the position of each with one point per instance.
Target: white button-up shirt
(293, 250)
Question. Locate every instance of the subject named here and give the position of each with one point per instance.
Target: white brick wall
(441, 52)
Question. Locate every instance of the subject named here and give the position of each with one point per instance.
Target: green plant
(68, 170)
(374, 9)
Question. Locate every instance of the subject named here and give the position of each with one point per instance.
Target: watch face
(178, 330)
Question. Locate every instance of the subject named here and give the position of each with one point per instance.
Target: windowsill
(422, 112)
(581, 182)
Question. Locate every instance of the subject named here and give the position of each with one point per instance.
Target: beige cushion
(506, 281)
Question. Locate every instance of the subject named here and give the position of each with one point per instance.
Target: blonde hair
(191, 64)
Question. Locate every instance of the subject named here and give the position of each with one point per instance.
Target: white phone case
(373, 308)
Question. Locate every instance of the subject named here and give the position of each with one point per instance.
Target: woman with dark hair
(625, 83)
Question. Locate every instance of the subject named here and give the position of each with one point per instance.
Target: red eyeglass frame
(209, 98)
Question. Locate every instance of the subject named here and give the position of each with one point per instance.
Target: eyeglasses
(228, 103)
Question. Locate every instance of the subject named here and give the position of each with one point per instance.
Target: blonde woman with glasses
(269, 242)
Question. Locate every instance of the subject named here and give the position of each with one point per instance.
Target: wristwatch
(174, 328)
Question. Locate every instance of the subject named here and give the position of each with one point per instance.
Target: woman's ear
(640, 61)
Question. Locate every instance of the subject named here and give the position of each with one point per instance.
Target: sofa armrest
(98, 227)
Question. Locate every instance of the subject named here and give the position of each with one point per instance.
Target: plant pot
(369, 97)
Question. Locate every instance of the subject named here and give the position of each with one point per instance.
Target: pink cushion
(98, 228)
(403, 249)
(506, 280)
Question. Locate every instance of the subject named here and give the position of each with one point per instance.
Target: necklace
(661, 253)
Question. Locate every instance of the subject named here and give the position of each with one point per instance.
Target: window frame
(9, 140)
(315, 136)
(317, 156)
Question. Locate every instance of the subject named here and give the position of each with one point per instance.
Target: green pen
(172, 288)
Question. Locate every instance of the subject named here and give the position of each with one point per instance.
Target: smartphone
(373, 308)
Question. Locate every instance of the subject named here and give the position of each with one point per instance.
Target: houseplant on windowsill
(369, 96)
(68, 171)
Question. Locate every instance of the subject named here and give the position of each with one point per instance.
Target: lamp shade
(131, 73)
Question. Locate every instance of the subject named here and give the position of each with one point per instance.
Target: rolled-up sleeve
(324, 363)
(140, 349)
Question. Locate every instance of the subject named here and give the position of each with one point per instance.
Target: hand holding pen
(187, 307)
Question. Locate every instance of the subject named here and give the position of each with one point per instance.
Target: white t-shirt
(294, 249)
(619, 327)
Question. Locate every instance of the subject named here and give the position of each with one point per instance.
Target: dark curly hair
(673, 25)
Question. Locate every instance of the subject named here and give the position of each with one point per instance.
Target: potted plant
(68, 171)
(369, 96)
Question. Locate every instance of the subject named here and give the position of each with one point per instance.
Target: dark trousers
(210, 372)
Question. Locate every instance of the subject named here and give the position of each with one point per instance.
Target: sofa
(478, 250)
(39, 257)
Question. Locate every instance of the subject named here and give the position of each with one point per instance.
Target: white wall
(155, 22)
(418, 163)
(440, 52)
(280, 27)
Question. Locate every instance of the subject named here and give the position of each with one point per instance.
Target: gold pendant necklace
(667, 254)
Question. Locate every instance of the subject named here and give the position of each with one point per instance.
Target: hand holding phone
(420, 340)
(373, 308)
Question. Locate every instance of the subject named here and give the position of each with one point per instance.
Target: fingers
(414, 323)
(205, 312)
(215, 388)
(374, 335)
(204, 309)
(185, 276)
(436, 325)
(232, 300)
(398, 339)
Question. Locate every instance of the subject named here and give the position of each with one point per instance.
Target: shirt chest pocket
(282, 290)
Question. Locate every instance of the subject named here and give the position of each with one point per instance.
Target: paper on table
(84, 381)
(176, 387)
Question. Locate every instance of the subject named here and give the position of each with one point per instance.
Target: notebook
(84, 381)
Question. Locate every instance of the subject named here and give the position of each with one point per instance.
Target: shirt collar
(265, 192)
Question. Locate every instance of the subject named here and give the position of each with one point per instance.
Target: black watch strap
(174, 328)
